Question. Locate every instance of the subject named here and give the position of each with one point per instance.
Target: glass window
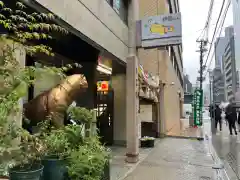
(121, 8)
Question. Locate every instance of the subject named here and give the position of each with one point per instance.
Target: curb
(219, 166)
(199, 138)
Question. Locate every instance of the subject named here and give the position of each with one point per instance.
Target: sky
(194, 15)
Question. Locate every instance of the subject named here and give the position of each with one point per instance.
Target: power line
(221, 26)
(205, 30)
(215, 30)
(209, 18)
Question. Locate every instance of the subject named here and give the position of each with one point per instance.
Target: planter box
(147, 143)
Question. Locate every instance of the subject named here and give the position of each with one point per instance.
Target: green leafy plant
(23, 33)
(60, 142)
(147, 138)
(80, 114)
(87, 162)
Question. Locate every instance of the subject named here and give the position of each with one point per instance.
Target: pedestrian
(218, 117)
(238, 120)
(231, 116)
(211, 111)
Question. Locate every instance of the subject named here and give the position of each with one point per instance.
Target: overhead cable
(221, 28)
(215, 30)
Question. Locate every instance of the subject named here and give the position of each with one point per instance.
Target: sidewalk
(176, 159)
(185, 131)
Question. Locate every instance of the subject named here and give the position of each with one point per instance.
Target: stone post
(132, 100)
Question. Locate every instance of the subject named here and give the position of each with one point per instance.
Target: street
(216, 157)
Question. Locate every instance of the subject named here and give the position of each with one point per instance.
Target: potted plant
(59, 144)
(147, 141)
(56, 151)
(20, 151)
(89, 161)
(22, 160)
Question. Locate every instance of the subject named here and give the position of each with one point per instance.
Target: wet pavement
(228, 150)
(183, 159)
(177, 159)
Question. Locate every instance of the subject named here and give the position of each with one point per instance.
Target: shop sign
(162, 30)
(197, 107)
(102, 85)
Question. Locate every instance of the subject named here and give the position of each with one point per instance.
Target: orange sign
(102, 85)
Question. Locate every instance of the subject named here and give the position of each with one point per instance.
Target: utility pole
(202, 50)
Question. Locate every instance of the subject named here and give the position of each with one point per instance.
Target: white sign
(161, 30)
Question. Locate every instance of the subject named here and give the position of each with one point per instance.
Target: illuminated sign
(103, 85)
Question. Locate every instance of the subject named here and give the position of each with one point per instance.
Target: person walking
(231, 116)
(238, 120)
(218, 117)
(211, 111)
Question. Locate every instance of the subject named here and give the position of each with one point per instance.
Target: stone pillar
(132, 104)
(132, 101)
(162, 124)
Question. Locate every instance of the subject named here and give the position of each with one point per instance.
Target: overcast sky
(194, 15)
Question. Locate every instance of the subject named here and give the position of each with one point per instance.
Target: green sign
(197, 107)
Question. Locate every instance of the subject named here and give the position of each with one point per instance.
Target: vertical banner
(197, 107)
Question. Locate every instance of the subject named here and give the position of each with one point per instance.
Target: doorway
(105, 116)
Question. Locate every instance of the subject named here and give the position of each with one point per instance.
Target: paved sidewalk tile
(185, 131)
(118, 165)
(176, 159)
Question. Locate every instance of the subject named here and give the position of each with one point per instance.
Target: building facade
(219, 51)
(187, 85)
(218, 86)
(223, 70)
(230, 70)
(102, 40)
(165, 62)
(236, 24)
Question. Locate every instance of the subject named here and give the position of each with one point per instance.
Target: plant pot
(33, 172)
(147, 143)
(54, 169)
(106, 171)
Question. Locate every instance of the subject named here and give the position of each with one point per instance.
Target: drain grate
(205, 178)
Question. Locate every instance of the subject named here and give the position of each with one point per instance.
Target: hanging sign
(197, 107)
(158, 31)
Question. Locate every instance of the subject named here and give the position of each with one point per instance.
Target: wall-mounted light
(104, 69)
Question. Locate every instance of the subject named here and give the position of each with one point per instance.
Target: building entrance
(105, 116)
(105, 101)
